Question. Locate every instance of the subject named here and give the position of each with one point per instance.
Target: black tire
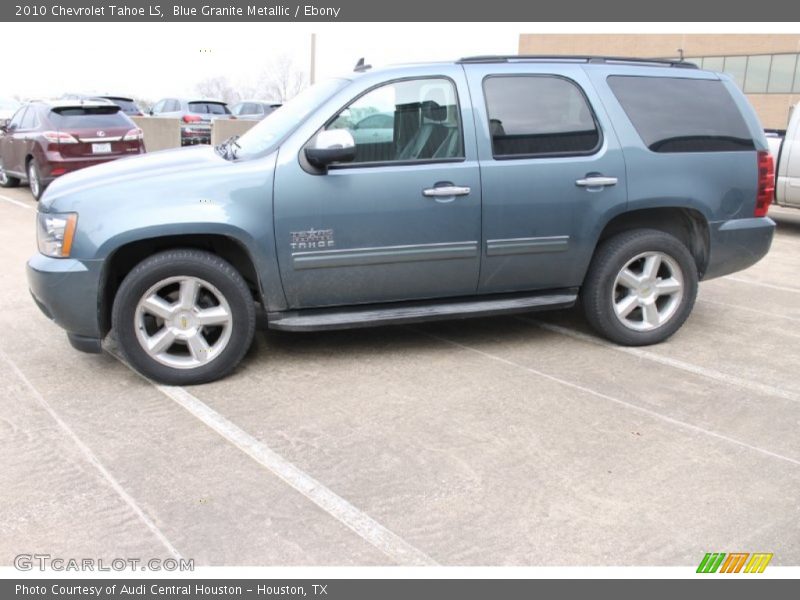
(599, 292)
(185, 263)
(6, 180)
(35, 179)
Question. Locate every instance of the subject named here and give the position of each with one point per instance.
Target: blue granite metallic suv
(501, 184)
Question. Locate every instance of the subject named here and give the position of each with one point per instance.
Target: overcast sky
(152, 60)
(161, 59)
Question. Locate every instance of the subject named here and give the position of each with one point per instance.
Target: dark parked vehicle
(196, 117)
(128, 105)
(44, 140)
(507, 184)
(254, 110)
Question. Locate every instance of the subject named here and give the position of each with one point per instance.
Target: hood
(154, 165)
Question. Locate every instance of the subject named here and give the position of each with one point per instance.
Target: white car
(787, 171)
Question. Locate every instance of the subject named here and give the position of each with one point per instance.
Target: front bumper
(67, 291)
(737, 244)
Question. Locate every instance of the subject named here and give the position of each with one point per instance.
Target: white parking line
(92, 459)
(752, 386)
(340, 509)
(17, 202)
(748, 309)
(640, 409)
(771, 286)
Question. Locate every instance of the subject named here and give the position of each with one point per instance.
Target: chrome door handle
(446, 191)
(596, 181)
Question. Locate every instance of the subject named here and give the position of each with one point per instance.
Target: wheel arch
(687, 224)
(124, 258)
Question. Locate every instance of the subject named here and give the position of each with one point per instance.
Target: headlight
(55, 232)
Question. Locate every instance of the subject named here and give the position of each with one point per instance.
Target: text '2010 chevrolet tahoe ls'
(504, 184)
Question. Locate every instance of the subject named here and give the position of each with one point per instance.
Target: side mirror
(150, 112)
(331, 146)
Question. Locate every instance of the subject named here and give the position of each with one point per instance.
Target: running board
(320, 319)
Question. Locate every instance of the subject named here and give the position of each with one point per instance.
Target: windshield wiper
(229, 148)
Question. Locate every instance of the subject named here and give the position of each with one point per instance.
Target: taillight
(59, 137)
(766, 184)
(133, 135)
(191, 118)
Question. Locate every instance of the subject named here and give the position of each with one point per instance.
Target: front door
(403, 220)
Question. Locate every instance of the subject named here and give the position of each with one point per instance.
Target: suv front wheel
(640, 288)
(184, 317)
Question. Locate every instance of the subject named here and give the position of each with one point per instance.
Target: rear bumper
(192, 134)
(738, 244)
(56, 167)
(67, 291)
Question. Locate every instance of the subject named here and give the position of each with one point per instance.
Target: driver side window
(404, 121)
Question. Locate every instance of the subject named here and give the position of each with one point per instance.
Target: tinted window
(211, 108)
(682, 115)
(89, 117)
(422, 122)
(17, 118)
(538, 116)
(29, 121)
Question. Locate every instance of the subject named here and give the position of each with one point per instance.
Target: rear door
(551, 167)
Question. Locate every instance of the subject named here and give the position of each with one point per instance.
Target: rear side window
(538, 115)
(211, 108)
(90, 117)
(682, 115)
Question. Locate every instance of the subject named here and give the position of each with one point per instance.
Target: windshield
(261, 138)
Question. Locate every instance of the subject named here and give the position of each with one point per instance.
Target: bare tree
(218, 87)
(281, 80)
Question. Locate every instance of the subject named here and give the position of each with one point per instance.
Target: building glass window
(736, 66)
(797, 77)
(714, 63)
(781, 74)
(757, 76)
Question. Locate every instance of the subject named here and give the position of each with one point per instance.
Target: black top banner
(408, 10)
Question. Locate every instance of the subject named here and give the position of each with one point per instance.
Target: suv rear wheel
(35, 179)
(184, 317)
(641, 287)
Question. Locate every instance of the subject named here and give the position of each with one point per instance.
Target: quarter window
(682, 115)
(414, 120)
(538, 115)
(29, 120)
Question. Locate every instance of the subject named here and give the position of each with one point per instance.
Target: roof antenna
(680, 54)
(361, 67)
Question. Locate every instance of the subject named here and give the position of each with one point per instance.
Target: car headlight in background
(55, 232)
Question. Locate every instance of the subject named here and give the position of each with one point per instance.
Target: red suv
(46, 139)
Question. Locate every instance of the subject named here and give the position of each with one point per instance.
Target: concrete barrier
(222, 129)
(159, 134)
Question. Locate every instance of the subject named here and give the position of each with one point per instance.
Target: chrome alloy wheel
(647, 291)
(33, 180)
(183, 322)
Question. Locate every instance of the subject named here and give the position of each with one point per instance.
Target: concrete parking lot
(505, 441)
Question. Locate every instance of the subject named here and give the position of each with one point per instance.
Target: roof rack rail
(618, 60)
